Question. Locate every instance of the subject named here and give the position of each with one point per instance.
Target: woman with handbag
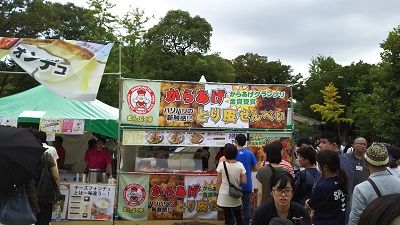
(231, 174)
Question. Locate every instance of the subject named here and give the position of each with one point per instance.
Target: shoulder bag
(234, 191)
(15, 208)
(47, 190)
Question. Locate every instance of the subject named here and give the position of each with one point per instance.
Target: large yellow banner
(72, 69)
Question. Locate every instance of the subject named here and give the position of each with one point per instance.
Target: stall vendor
(98, 158)
(58, 144)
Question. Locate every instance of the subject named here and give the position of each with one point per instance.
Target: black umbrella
(20, 154)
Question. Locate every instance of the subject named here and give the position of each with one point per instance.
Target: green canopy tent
(99, 117)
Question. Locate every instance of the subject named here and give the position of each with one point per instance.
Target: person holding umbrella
(20, 155)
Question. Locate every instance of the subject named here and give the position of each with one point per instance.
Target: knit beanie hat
(280, 221)
(377, 155)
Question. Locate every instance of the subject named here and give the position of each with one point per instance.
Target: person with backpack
(305, 179)
(264, 174)
(43, 182)
(380, 182)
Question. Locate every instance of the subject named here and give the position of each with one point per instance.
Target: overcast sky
(292, 31)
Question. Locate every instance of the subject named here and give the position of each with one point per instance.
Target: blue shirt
(248, 159)
(328, 201)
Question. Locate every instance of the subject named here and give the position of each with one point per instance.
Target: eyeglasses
(283, 191)
(361, 144)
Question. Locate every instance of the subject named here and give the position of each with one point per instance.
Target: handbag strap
(375, 187)
(227, 174)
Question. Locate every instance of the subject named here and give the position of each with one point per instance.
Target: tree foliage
(180, 34)
(331, 110)
(253, 68)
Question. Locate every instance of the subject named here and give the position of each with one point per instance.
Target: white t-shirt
(395, 171)
(52, 151)
(234, 171)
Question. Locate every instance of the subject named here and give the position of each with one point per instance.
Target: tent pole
(119, 134)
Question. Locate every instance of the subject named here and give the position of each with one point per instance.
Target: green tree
(377, 109)
(331, 110)
(133, 24)
(180, 34)
(176, 47)
(253, 68)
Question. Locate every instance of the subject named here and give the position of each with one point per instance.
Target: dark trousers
(231, 214)
(246, 207)
(44, 216)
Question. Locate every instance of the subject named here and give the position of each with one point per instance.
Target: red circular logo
(134, 195)
(141, 99)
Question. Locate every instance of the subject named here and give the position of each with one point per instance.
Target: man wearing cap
(376, 158)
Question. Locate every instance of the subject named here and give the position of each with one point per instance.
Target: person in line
(328, 199)
(356, 160)
(287, 166)
(264, 174)
(248, 159)
(41, 136)
(43, 217)
(394, 164)
(99, 158)
(329, 141)
(237, 175)
(281, 190)
(301, 142)
(58, 144)
(376, 159)
(305, 179)
(383, 211)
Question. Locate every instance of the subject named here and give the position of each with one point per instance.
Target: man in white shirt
(50, 149)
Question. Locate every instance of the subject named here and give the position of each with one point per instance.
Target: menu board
(91, 201)
(70, 126)
(180, 104)
(62, 126)
(60, 209)
(51, 125)
(177, 138)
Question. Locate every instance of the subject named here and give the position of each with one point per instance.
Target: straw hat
(377, 155)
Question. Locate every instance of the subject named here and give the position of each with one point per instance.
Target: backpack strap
(272, 168)
(375, 187)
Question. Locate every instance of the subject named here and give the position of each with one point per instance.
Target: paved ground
(158, 222)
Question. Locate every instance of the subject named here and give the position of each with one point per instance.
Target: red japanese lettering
(188, 96)
(172, 95)
(156, 190)
(193, 191)
(169, 191)
(180, 191)
(202, 97)
(218, 96)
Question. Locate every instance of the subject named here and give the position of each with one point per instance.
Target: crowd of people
(323, 186)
